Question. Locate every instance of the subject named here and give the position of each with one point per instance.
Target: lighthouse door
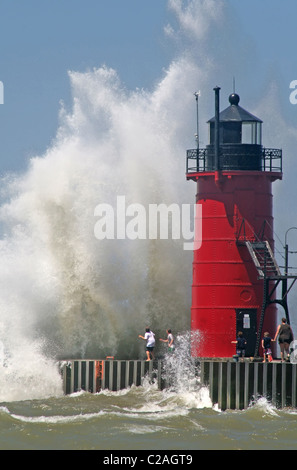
(246, 321)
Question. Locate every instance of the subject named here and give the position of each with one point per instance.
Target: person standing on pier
(266, 345)
(285, 337)
(149, 337)
(169, 341)
(241, 343)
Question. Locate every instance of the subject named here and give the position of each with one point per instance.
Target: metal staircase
(268, 270)
(263, 259)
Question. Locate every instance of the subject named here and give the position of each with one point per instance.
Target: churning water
(180, 418)
(66, 293)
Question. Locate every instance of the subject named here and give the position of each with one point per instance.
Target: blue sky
(40, 40)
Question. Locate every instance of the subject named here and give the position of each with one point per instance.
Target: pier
(231, 385)
(236, 385)
(96, 375)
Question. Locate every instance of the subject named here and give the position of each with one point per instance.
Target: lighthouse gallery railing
(198, 161)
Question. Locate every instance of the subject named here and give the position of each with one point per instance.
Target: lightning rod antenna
(197, 94)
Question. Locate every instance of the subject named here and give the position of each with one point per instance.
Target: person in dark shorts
(285, 337)
(266, 345)
(149, 337)
(241, 343)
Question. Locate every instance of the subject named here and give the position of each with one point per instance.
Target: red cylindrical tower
(234, 177)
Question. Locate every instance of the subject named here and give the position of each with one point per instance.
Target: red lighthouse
(234, 176)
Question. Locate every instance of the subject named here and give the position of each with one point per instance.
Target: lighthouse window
(232, 133)
(246, 133)
(259, 133)
(251, 133)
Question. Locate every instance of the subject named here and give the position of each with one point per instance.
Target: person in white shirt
(149, 336)
(169, 340)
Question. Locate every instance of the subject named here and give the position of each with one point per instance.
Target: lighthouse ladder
(263, 259)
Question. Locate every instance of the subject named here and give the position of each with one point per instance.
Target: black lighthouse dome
(234, 99)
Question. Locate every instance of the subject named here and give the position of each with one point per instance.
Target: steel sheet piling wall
(231, 385)
(236, 385)
(95, 375)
